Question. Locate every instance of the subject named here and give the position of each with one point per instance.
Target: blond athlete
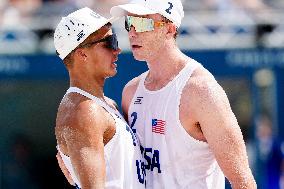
(189, 135)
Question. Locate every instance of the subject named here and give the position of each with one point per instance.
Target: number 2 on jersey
(134, 115)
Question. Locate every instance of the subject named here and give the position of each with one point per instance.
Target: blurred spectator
(16, 35)
(276, 4)
(269, 157)
(2, 7)
(251, 5)
(105, 5)
(100, 6)
(19, 12)
(225, 5)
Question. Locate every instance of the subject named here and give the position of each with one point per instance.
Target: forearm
(246, 181)
(233, 160)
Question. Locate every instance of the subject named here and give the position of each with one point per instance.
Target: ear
(171, 30)
(81, 54)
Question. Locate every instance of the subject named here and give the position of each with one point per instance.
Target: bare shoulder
(79, 117)
(89, 112)
(201, 100)
(203, 90)
(131, 86)
(204, 102)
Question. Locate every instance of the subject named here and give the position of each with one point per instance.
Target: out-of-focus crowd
(19, 13)
(23, 13)
(26, 26)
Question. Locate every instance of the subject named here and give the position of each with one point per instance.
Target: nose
(132, 33)
(117, 51)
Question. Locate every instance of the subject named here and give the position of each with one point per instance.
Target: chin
(110, 74)
(139, 57)
(113, 73)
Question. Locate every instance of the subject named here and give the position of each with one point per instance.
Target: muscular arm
(220, 129)
(85, 146)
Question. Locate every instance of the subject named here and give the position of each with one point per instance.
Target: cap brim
(110, 20)
(122, 10)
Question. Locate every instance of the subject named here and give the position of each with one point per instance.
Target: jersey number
(134, 115)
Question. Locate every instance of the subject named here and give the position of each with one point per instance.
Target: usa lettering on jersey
(152, 159)
(141, 173)
(151, 156)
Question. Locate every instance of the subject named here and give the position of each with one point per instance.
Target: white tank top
(173, 159)
(124, 165)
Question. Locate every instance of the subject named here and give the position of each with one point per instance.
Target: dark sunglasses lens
(112, 42)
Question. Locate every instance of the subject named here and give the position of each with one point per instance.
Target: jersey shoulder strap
(94, 98)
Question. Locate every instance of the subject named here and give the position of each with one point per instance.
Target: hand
(64, 169)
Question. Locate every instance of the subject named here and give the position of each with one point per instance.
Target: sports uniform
(173, 159)
(124, 167)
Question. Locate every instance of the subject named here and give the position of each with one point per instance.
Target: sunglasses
(111, 42)
(141, 24)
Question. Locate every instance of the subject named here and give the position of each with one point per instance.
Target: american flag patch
(158, 126)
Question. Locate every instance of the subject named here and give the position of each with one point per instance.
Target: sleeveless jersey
(124, 165)
(173, 159)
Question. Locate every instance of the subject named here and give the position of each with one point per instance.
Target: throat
(156, 80)
(157, 83)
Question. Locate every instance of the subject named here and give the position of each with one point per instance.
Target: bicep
(85, 147)
(222, 132)
(89, 164)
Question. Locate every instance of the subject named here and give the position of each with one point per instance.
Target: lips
(114, 59)
(135, 46)
(113, 65)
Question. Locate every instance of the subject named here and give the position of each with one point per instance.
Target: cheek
(155, 40)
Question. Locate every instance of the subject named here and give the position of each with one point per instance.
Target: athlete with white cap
(189, 135)
(95, 144)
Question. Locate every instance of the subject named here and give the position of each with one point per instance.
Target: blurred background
(240, 41)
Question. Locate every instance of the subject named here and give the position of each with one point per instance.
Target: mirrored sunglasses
(141, 24)
(111, 42)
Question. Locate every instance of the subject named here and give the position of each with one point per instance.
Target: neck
(94, 87)
(166, 64)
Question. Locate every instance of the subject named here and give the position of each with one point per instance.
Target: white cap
(75, 28)
(171, 9)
